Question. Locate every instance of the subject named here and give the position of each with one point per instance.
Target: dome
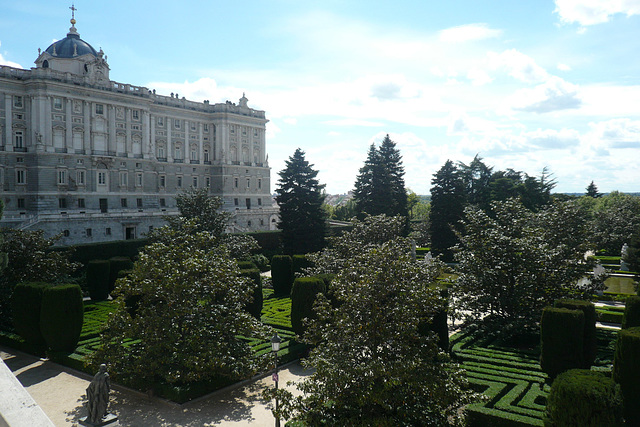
(71, 46)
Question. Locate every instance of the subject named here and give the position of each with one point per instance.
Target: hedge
(255, 306)
(631, 312)
(26, 303)
(583, 398)
(626, 372)
(105, 250)
(561, 339)
(281, 274)
(246, 265)
(98, 274)
(303, 295)
(61, 317)
(116, 265)
(299, 263)
(590, 340)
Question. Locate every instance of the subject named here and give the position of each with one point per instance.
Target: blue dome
(71, 47)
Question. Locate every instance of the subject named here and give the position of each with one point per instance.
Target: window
(177, 124)
(107, 231)
(99, 109)
(248, 203)
(21, 176)
(89, 232)
(102, 178)
(57, 103)
(193, 126)
(124, 179)
(62, 177)
(21, 204)
(138, 180)
(248, 183)
(66, 233)
(163, 203)
(248, 223)
(150, 228)
(235, 182)
(17, 101)
(138, 165)
(235, 201)
(62, 203)
(19, 139)
(194, 154)
(206, 155)
(81, 203)
(163, 181)
(259, 201)
(80, 162)
(178, 152)
(208, 182)
(160, 121)
(179, 182)
(123, 203)
(19, 159)
(206, 127)
(139, 203)
(195, 182)
(135, 114)
(161, 154)
(261, 221)
(259, 183)
(80, 177)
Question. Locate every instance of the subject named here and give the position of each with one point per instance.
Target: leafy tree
(448, 200)
(380, 187)
(190, 316)
(300, 197)
(592, 191)
(514, 261)
(372, 365)
(633, 252)
(477, 177)
(615, 218)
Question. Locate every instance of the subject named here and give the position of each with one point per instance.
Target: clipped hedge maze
(511, 378)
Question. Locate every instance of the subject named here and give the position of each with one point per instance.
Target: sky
(524, 84)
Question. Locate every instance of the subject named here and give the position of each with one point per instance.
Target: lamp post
(275, 346)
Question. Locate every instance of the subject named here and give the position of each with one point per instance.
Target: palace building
(98, 160)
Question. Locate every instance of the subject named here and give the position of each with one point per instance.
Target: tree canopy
(592, 191)
(300, 197)
(448, 199)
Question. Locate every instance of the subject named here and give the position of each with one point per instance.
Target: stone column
(146, 123)
(87, 127)
(8, 122)
(200, 143)
(48, 134)
(151, 151)
(128, 146)
(68, 134)
(112, 141)
(169, 142)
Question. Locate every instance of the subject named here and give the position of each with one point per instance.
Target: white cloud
(518, 65)
(616, 133)
(469, 32)
(5, 61)
(353, 122)
(564, 67)
(478, 77)
(290, 120)
(555, 94)
(591, 12)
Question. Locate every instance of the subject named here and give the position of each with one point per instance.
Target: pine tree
(380, 188)
(300, 197)
(447, 208)
(592, 191)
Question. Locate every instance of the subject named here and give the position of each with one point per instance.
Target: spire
(73, 30)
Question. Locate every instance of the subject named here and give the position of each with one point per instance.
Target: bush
(626, 372)
(116, 265)
(255, 307)
(105, 250)
(300, 262)
(61, 317)
(98, 279)
(631, 312)
(261, 261)
(246, 265)
(582, 398)
(590, 340)
(281, 274)
(26, 303)
(303, 295)
(561, 338)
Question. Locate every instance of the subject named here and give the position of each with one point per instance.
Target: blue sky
(525, 84)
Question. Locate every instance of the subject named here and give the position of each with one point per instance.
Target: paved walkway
(60, 392)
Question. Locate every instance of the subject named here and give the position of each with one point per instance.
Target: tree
(448, 200)
(513, 262)
(380, 187)
(592, 191)
(300, 197)
(477, 177)
(615, 218)
(372, 364)
(189, 319)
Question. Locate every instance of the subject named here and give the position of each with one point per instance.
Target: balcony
(178, 160)
(20, 149)
(195, 162)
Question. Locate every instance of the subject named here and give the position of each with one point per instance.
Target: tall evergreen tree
(380, 188)
(300, 197)
(447, 208)
(592, 191)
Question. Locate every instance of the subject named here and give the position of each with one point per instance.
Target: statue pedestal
(110, 420)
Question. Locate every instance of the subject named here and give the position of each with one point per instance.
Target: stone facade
(99, 160)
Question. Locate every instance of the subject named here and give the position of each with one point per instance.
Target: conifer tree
(392, 162)
(592, 191)
(300, 197)
(447, 208)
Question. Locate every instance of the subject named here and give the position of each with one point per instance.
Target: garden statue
(624, 266)
(98, 395)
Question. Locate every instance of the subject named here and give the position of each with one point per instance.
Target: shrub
(246, 265)
(116, 265)
(631, 312)
(61, 317)
(98, 279)
(261, 261)
(281, 274)
(300, 262)
(26, 303)
(626, 372)
(255, 307)
(590, 340)
(582, 398)
(562, 337)
(303, 295)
